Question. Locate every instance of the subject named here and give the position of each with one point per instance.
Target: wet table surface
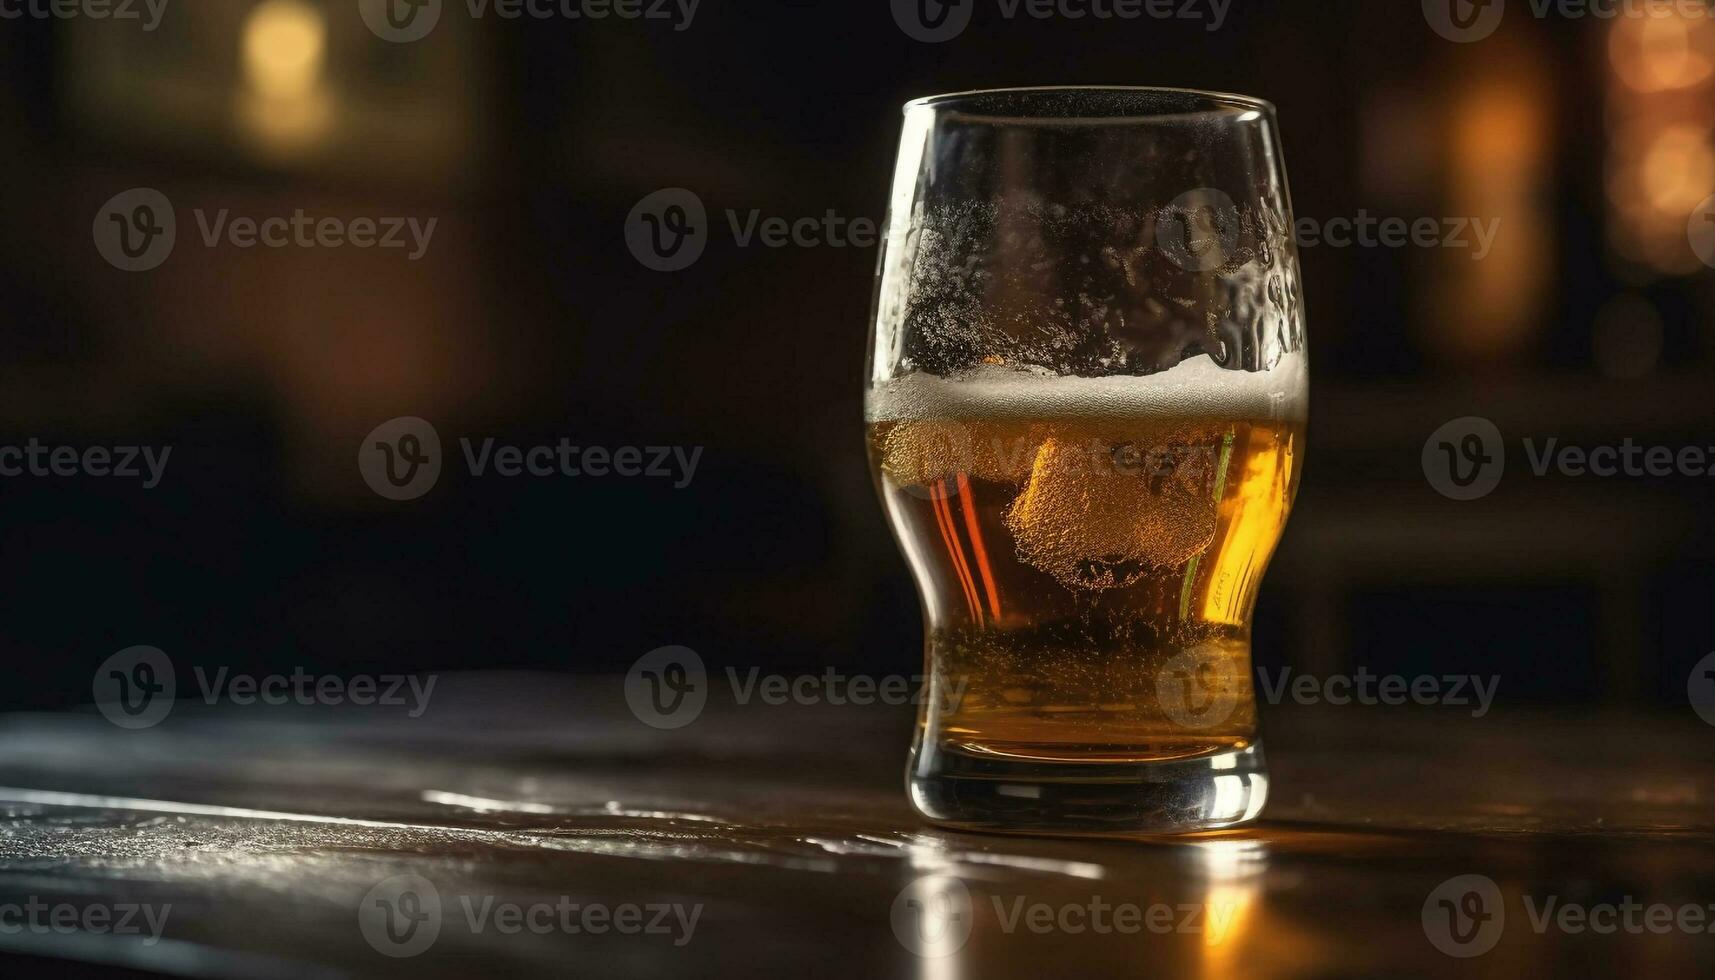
(530, 825)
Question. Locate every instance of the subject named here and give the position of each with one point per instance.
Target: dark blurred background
(528, 319)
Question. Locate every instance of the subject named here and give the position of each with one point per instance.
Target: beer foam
(1196, 388)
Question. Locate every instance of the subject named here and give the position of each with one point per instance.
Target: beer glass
(1085, 408)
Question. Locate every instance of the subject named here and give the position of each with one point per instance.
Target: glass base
(959, 790)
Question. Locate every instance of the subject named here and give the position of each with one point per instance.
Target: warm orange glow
(1678, 169)
(1661, 143)
(1231, 935)
(285, 43)
(286, 105)
(1497, 170)
(1500, 128)
(1662, 53)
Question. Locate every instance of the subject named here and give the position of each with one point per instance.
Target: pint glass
(1085, 408)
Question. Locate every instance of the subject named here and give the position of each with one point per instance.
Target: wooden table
(263, 833)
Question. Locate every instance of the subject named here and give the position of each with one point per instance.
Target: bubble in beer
(1095, 526)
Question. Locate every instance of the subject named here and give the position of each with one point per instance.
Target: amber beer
(1089, 551)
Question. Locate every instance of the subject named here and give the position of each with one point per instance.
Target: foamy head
(1196, 388)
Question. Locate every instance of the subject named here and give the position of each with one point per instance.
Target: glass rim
(1201, 102)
